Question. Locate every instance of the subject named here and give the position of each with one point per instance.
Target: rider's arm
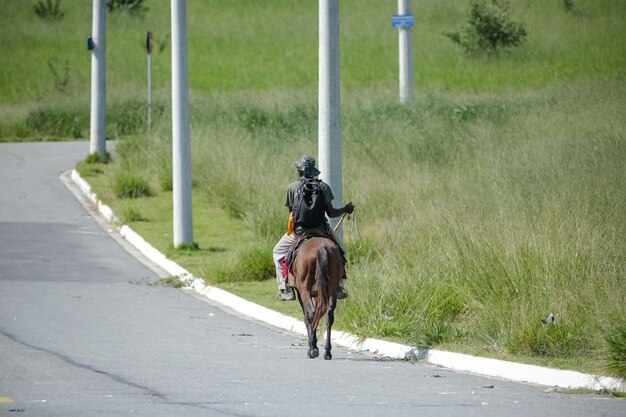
(336, 212)
(330, 210)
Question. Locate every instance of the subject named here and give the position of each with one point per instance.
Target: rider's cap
(306, 164)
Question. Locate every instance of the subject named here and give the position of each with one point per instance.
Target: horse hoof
(313, 353)
(328, 356)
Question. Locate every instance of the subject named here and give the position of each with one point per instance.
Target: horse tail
(323, 287)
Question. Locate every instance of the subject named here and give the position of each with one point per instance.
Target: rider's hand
(349, 208)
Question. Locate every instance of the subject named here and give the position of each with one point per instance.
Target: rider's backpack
(309, 207)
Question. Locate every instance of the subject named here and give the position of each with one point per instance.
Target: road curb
(460, 362)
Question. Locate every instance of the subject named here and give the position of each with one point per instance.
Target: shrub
(537, 339)
(253, 265)
(489, 28)
(616, 355)
(131, 186)
(131, 214)
(133, 7)
(96, 158)
(256, 265)
(166, 181)
(49, 10)
(299, 120)
(130, 117)
(123, 118)
(59, 122)
(61, 81)
(187, 247)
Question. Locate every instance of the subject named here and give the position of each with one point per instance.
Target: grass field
(495, 198)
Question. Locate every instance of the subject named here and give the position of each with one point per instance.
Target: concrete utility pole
(97, 138)
(181, 154)
(329, 123)
(405, 53)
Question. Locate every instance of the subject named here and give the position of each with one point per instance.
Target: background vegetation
(492, 200)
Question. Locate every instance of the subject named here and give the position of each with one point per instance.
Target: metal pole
(405, 54)
(329, 123)
(149, 42)
(97, 128)
(181, 154)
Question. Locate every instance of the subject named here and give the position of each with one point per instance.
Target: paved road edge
(461, 362)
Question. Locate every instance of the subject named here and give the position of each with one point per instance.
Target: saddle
(293, 251)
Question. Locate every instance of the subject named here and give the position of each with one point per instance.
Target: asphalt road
(83, 334)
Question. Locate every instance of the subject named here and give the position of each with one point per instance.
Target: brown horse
(317, 269)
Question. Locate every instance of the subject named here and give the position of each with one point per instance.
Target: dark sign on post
(149, 42)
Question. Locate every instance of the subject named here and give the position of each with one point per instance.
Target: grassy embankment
(493, 199)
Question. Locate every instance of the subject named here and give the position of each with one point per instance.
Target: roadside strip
(466, 363)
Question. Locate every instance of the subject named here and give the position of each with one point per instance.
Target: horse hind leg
(313, 353)
(329, 326)
(309, 309)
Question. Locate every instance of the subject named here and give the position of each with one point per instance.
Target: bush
(489, 28)
(131, 186)
(59, 122)
(49, 10)
(131, 214)
(130, 117)
(166, 180)
(299, 120)
(537, 339)
(255, 264)
(133, 7)
(96, 158)
(61, 80)
(616, 355)
(569, 5)
(123, 118)
(187, 247)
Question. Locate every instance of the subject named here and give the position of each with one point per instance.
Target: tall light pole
(329, 122)
(181, 153)
(97, 45)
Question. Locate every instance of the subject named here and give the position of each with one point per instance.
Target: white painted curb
(484, 366)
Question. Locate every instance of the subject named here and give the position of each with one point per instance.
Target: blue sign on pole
(402, 21)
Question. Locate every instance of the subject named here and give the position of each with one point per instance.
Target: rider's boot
(342, 294)
(286, 294)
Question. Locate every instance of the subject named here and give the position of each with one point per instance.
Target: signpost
(149, 46)
(404, 21)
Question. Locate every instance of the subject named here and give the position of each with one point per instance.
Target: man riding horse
(315, 225)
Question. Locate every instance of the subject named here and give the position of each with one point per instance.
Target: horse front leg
(329, 326)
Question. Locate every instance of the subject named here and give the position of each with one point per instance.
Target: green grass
(493, 199)
(478, 214)
(224, 56)
(221, 240)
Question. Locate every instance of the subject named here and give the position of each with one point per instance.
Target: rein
(353, 227)
(343, 216)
